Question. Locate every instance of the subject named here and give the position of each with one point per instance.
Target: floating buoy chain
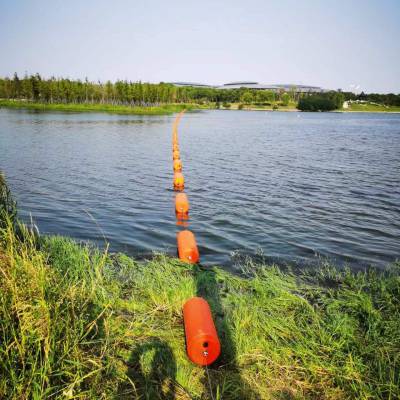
(202, 343)
(186, 241)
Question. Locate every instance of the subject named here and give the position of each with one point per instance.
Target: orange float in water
(181, 204)
(202, 343)
(175, 147)
(176, 155)
(187, 247)
(177, 165)
(179, 181)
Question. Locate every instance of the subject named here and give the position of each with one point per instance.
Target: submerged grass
(109, 108)
(78, 323)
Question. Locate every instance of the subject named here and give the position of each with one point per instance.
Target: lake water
(293, 186)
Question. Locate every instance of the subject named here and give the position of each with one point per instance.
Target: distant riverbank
(167, 109)
(353, 108)
(108, 108)
(136, 110)
(368, 107)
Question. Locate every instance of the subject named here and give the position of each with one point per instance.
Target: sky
(351, 45)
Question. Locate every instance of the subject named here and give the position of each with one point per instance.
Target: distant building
(256, 86)
(274, 87)
(191, 84)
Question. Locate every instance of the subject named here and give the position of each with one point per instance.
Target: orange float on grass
(187, 247)
(202, 343)
(179, 181)
(177, 165)
(181, 204)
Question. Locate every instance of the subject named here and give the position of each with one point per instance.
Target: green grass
(367, 107)
(84, 324)
(109, 108)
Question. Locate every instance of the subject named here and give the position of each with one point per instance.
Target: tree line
(64, 90)
(122, 92)
(334, 100)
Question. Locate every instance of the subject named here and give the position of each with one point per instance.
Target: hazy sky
(333, 44)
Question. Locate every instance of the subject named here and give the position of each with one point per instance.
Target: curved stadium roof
(256, 86)
(241, 83)
(190, 84)
(275, 87)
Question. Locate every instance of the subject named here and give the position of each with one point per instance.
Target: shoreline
(310, 112)
(166, 109)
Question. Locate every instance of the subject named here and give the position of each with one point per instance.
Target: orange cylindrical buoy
(181, 204)
(202, 343)
(179, 180)
(175, 147)
(177, 165)
(176, 155)
(187, 247)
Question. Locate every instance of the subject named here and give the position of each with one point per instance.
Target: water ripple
(295, 187)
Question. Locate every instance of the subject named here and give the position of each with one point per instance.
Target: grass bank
(368, 107)
(108, 108)
(80, 323)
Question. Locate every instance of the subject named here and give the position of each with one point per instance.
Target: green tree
(109, 93)
(16, 87)
(317, 102)
(35, 86)
(260, 96)
(247, 97)
(285, 99)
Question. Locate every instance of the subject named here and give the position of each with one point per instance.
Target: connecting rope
(205, 353)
